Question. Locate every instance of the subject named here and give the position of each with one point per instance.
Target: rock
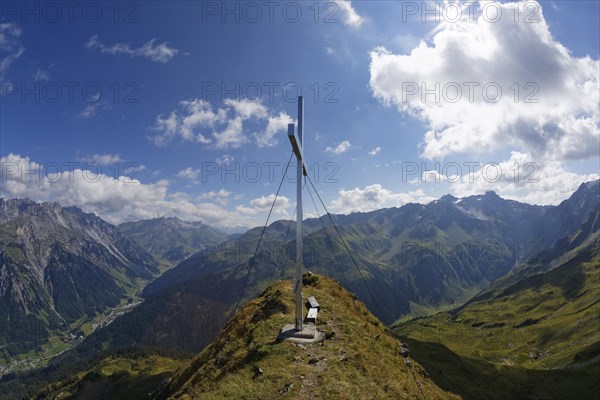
(404, 351)
(286, 388)
(258, 372)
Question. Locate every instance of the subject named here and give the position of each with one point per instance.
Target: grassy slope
(475, 379)
(359, 359)
(538, 338)
(117, 378)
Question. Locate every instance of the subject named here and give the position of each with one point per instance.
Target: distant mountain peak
(448, 197)
(490, 194)
(591, 185)
(165, 218)
(586, 188)
(25, 200)
(171, 238)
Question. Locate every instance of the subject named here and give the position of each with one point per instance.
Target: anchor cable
(330, 241)
(261, 236)
(347, 248)
(394, 337)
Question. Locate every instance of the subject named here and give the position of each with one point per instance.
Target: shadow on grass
(118, 386)
(475, 379)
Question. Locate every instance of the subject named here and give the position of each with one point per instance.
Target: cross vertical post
(296, 140)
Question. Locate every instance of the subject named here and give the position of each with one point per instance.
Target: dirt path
(315, 355)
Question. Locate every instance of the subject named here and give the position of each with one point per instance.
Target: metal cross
(296, 139)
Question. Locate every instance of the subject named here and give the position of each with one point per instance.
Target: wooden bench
(312, 315)
(311, 302)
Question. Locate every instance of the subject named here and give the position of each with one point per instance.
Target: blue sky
(179, 93)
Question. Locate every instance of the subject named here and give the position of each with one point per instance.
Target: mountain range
(471, 258)
(418, 258)
(532, 334)
(59, 266)
(170, 239)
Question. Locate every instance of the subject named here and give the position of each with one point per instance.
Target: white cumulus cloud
(116, 198)
(341, 148)
(225, 159)
(263, 204)
(189, 173)
(349, 15)
(105, 159)
(220, 196)
(519, 178)
(222, 127)
(275, 124)
(375, 151)
(548, 99)
(373, 197)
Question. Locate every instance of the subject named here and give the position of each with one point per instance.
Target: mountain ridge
(226, 268)
(390, 225)
(535, 330)
(58, 266)
(247, 360)
(375, 238)
(170, 238)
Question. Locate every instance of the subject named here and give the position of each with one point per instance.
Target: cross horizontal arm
(296, 146)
